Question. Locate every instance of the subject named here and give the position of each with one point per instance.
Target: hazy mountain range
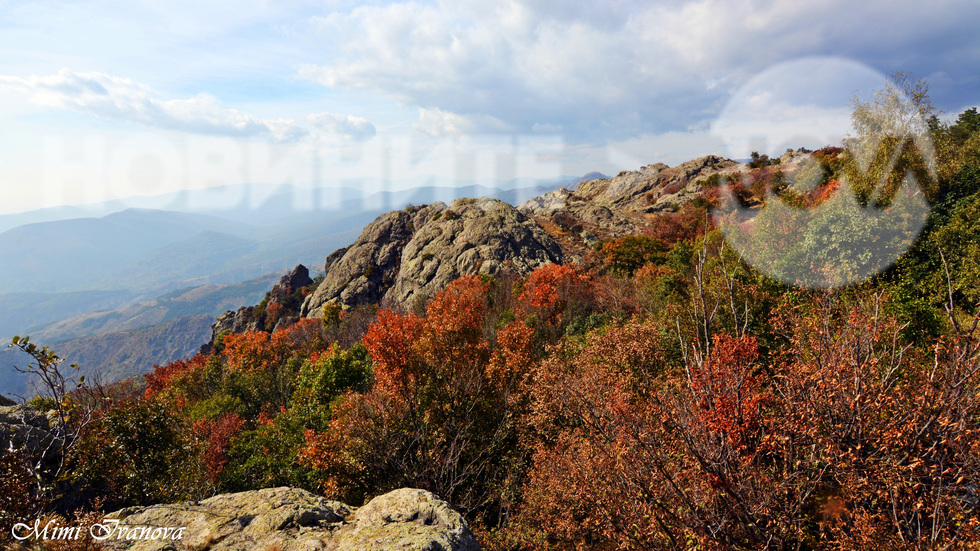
(109, 285)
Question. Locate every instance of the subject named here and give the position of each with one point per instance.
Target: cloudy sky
(108, 99)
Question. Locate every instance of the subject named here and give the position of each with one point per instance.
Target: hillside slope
(209, 300)
(114, 356)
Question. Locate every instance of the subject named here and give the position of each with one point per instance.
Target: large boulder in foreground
(407, 519)
(291, 519)
(411, 254)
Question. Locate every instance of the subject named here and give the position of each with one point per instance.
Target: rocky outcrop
(411, 254)
(624, 188)
(404, 257)
(407, 519)
(22, 427)
(292, 519)
(681, 184)
(287, 295)
(635, 191)
(546, 204)
(232, 321)
(606, 208)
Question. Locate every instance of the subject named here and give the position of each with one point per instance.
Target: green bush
(138, 454)
(323, 378)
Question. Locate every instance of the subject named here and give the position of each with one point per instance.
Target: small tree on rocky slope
(46, 439)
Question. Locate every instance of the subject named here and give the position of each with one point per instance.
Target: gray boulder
(406, 519)
(411, 254)
(22, 427)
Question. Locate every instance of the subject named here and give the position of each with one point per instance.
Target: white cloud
(350, 127)
(804, 102)
(124, 100)
(617, 69)
(438, 123)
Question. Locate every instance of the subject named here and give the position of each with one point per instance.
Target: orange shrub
(554, 294)
(162, 375)
(246, 351)
(442, 413)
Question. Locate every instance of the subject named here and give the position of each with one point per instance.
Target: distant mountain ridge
(99, 287)
(141, 249)
(23, 313)
(91, 276)
(278, 203)
(211, 300)
(115, 356)
(573, 185)
(408, 255)
(119, 342)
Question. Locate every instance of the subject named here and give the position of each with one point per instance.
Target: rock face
(286, 294)
(652, 188)
(407, 519)
(411, 254)
(233, 321)
(24, 427)
(292, 519)
(548, 203)
(605, 208)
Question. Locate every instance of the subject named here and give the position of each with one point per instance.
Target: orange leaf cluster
(247, 352)
(163, 375)
(728, 394)
(552, 289)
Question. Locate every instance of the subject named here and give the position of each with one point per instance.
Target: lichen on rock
(415, 252)
(291, 519)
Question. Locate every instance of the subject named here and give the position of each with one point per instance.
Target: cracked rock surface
(291, 519)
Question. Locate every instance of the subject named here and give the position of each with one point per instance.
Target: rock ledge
(289, 519)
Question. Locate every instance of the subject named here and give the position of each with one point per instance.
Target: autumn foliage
(626, 255)
(163, 376)
(441, 415)
(853, 443)
(662, 395)
(217, 435)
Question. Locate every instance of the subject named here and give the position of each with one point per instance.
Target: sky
(104, 100)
